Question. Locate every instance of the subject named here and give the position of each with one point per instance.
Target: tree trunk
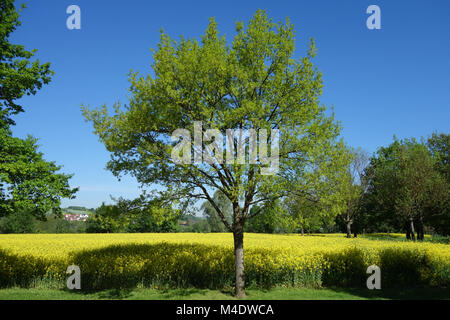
(413, 236)
(303, 233)
(407, 230)
(349, 229)
(238, 235)
(420, 232)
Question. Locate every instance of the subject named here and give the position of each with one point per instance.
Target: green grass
(402, 237)
(205, 294)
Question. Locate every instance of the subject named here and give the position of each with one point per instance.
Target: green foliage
(202, 226)
(132, 216)
(440, 239)
(438, 209)
(28, 182)
(107, 218)
(146, 222)
(306, 215)
(404, 185)
(76, 209)
(252, 82)
(18, 75)
(268, 221)
(21, 222)
(439, 145)
(25, 222)
(57, 224)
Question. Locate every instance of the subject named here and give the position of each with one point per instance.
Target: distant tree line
(403, 187)
(133, 216)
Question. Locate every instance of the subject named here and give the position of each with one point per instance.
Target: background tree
(269, 220)
(146, 220)
(252, 83)
(136, 215)
(201, 226)
(353, 188)
(438, 207)
(304, 214)
(18, 222)
(108, 219)
(212, 217)
(404, 179)
(439, 146)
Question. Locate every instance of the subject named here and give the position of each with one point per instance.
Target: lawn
(206, 294)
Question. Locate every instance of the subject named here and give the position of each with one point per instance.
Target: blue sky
(395, 80)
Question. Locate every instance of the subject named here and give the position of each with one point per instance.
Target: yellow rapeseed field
(206, 260)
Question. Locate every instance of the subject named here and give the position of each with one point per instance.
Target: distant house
(76, 217)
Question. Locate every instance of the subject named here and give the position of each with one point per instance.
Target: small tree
(353, 188)
(213, 88)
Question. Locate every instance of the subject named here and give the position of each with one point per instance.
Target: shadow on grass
(176, 293)
(151, 293)
(411, 293)
(115, 294)
(109, 294)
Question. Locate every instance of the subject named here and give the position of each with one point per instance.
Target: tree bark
(349, 229)
(413, 236)
(238, 235)
(408, 231)
(420, 232)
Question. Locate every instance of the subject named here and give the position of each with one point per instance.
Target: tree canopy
(211, 86)
(407, 188)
